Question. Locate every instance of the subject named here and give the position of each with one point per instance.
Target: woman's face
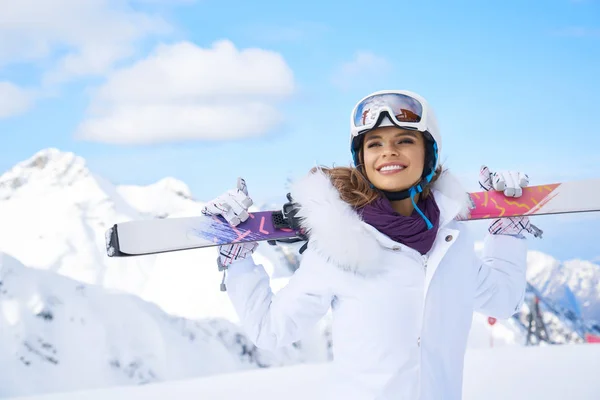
(394, 158)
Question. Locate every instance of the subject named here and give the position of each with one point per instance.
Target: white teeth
(391, 167)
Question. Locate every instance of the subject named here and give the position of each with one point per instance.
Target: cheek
(415, 153)
(421, 155)
(369, 158)
(418, 158)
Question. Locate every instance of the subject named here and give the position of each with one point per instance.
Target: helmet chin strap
(399, 195)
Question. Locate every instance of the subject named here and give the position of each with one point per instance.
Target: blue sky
(515, 85)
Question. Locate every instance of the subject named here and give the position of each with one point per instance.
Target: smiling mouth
(391, 168)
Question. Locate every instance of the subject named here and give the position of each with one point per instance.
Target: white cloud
(183, 92)
(365, 66)
(13, 100)
(75, 38)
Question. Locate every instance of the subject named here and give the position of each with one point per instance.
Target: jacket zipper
(424, 259)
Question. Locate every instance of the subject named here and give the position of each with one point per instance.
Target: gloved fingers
(520, 222)
(514, 226)
(510, 182)
(241, 185)
(485, 179)
(216, 207)
(511, 226)
(242, 194)
(523, 179)
(511, 188)
(238, 201)
(228, 209)
(241, 198)
(519, 181)
(235, 251)
(499, 181)
(235, 215)
(233, 205)
(496, 227)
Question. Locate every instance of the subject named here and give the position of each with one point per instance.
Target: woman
(389, 255)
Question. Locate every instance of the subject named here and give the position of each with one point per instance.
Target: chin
(393, 184)
(392, 187)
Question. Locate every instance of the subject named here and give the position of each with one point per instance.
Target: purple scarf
(411, 231)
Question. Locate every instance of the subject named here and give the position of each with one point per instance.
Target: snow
(549, 373)
(574, 284)
(71, 208)
(55, 329)
(73, 319)
(167, 196)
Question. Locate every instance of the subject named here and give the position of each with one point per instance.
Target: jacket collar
(338, 233)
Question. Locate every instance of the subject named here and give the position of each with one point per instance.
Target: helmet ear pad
(430, 155)
(357, 143)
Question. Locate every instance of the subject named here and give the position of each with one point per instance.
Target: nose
(390, 150)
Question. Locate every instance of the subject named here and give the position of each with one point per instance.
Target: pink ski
(555, 198)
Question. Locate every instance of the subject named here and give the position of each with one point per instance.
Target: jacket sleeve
(501, 276)
(276, 320)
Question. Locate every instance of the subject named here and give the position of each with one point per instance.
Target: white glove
(233, 206)
(512, 184)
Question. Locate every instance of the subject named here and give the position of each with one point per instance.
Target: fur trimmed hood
(338, 233)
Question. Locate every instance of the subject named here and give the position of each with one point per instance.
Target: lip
(390, 163)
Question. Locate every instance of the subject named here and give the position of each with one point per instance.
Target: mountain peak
(52, 157)
(49, 166)
(176, 186)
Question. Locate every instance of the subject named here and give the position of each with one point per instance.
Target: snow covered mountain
(574, 284)
(55, 212)
(59, 334)
(567, 295)
(53, 215)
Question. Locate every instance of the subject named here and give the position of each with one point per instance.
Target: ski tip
(112, 242)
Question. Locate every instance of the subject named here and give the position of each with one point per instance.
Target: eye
(406, 141)
(373, 144)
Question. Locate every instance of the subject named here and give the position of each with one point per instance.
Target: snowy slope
(57, 334)
(574, 284)
(548, 373)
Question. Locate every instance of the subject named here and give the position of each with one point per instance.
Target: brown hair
(354, 187)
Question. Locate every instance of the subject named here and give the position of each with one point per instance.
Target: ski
(556, 198)
(152, 236)
(141, 237)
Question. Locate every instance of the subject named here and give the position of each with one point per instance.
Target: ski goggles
(404, 109)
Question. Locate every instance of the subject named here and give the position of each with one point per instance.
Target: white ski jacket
(400, 320)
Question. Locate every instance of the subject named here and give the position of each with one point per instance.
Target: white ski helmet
(402, 108)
